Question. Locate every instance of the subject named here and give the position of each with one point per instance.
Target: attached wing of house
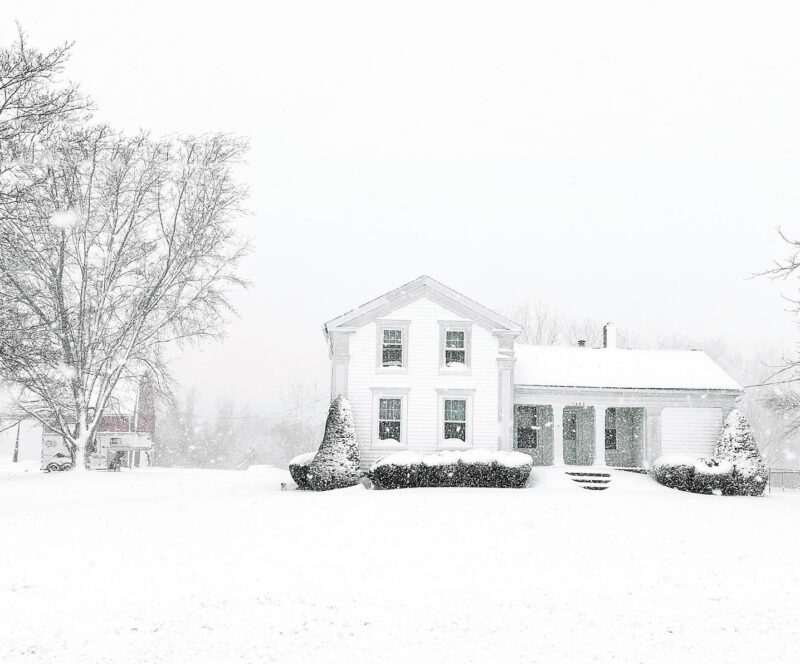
(426, 368)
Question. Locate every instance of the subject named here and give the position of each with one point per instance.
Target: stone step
(591, 480)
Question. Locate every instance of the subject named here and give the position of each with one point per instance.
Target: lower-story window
(390, 419)
(455, 419)
(389, 416)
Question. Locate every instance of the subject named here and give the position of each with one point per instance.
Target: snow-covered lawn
(213, 566)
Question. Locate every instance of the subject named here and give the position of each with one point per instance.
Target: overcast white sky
(625, 161)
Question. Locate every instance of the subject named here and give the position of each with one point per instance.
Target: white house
(426, 369)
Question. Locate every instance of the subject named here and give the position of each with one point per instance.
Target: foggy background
(635, 171)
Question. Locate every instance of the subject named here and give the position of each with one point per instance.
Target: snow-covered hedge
(676, 472)
(737, 468)
(298, 469)
(472, 468)
(716, 476)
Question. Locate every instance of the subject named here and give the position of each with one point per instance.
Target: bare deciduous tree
(112, 248)
(32, 98)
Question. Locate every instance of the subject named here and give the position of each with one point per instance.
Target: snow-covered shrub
(336, 463)
(738, 445)
(675, 471)
(473, 468)
(714, 476)
(298, 469)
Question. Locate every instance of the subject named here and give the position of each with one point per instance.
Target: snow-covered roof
(565, 366)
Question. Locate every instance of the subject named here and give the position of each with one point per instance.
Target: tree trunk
(79, 442)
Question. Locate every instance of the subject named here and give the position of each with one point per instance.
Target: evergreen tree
(336, 464)
(738, 445)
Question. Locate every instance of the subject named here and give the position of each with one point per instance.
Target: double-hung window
(390, 419)
(389, 416)
(392, 345)
(455, 419)
(454, 343)
(455, 348)
(392, 351)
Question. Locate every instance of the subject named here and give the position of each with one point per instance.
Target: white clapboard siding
(422, 380)
(690, 430)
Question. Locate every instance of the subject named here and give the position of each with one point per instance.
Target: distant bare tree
(33, 100)
(112, 248)
(541, 324)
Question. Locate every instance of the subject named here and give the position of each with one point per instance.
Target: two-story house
(425, 369)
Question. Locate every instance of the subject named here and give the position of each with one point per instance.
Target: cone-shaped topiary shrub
(738, 445)
(336, 464)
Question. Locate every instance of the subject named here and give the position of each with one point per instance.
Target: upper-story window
(455, 341)
(455, 349)
(392, 345)
(392, 354)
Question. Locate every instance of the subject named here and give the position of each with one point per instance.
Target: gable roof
(567, 366)
(423, 286)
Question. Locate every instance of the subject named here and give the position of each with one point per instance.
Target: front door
(578, 436)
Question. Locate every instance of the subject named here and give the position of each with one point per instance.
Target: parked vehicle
(59, 461)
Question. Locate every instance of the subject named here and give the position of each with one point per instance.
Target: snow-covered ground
(213, 566)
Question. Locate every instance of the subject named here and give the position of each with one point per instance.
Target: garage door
(690, 430)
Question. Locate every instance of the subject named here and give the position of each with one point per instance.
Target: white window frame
(380, 326)
(379, 393)
(446, 326)
(443, 395)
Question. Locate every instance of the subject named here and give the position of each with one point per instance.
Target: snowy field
(214, 566)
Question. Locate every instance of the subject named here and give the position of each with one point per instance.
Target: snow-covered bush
(676, 472)
(714, 476)
(738, 445)
(472, 468)
(298, 469)
(336, 463)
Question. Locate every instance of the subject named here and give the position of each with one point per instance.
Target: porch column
(652, 435)
(558, 434)
(340, 362)
(505, 388)
(599, 436)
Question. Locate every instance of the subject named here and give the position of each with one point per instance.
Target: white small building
(427, 369)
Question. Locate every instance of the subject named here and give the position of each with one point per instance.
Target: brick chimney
(609, 335)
